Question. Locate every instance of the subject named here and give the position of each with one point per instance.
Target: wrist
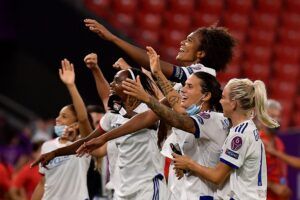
(70, 85)
(95, 68)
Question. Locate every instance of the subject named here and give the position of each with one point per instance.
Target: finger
(63, 67)
(175, 155)
(60, 72)
(138, 80)
(72, 67)
(128, 80)
(133, 94)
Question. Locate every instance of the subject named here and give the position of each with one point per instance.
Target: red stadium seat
(239, 36)
(236, 21)
(179, 6)
(286, 53)
(293, 5)
(258, 53)
(123, 21)
(211, 6)
(269, 6)
(233, 70)
(283, 89)
(146, 37)
(153, 6)
(173, 37)
(297, 102)
(177, 21)
(99, 7)
(168, 53)
(296, 119)
(290, 20)
(204, 19)
(239, 6)
(126, 6)
(148, 21)
(256, 71)
(286, 71)
(261, 37)
(264, 20)
(290, 37)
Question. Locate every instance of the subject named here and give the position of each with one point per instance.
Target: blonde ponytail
(260, 96)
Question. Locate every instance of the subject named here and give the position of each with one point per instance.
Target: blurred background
(36, 35)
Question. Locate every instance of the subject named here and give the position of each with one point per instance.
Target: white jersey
(244, 151)
(204, 147)
(138, 160)
(66, 177)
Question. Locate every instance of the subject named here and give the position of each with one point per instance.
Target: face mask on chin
(195, 109)
(59, 130)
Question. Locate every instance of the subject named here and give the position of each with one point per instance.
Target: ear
(234, 104)
(200, 54)
(207, 96)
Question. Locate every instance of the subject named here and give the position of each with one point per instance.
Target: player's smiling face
(189, 49)
(191, 93)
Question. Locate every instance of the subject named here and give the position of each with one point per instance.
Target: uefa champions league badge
(236, 143)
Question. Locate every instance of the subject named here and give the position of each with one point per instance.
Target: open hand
(135, 89)
(154, 60)
(96, 27)
(181, 162)
(91, 61)
(66, 72)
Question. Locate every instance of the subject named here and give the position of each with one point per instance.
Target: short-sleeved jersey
(204, 147)
(27, 178)
(244, 152)
(65, 174)
(180, 74)
(138, 160)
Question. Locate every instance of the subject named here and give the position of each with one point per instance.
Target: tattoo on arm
(174, 119)
(172, 96)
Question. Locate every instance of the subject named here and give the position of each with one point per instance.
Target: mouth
(181, 49)
(183, 98)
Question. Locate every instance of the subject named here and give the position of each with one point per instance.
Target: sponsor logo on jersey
(232, 154)
(236, 143)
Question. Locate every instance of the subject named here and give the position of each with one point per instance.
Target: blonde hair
(251, 95)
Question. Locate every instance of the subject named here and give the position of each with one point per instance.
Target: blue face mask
(193, 110)
(59, 130)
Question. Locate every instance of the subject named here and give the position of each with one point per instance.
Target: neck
(188, 63)
(237, 118)
(63, 141)
(205, 107)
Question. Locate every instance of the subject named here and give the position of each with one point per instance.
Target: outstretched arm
(288, 159)
(215, 175)
(137, 54)
(138, 122)
(67, 150)
(180, 121)
(67, 76)
(101, 83)
(172, 95)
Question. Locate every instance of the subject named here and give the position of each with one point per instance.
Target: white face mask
(194, 108)
(59, 129)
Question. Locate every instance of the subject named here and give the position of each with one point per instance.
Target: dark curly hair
(218, 44)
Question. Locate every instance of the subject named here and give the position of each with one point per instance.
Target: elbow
(217, 180)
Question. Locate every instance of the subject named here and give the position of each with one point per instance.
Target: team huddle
(175, 112)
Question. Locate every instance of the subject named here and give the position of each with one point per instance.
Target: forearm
(39, 190)
(172, 95)
(102, 86)
(138, 122)
(174, 119)
(71, 149)
(290, 160)
(140, 56)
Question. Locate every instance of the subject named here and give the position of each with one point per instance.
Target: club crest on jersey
(204, 115)
(236, 143)
(190, 70)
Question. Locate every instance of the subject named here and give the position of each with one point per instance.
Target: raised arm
(174, 119)
(101, 83)
(288, 159)
(138, 122)
(137, 54)
(67, 76)
(172, 95)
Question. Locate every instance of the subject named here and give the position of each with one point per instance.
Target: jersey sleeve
(107, 121)
(44, 149)
(234, 150)
(203, 122)
(179, 75)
